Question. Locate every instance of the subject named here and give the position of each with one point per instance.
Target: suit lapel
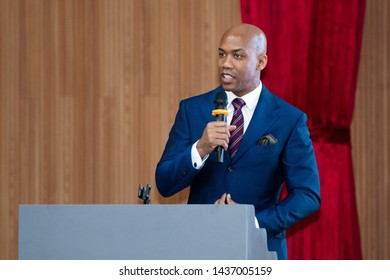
(208, 109)
(264, 116)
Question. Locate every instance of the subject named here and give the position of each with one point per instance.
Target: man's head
(242, 56)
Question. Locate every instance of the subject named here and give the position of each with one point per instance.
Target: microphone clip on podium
(144, 193)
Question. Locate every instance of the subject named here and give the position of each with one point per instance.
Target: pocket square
(268, 139)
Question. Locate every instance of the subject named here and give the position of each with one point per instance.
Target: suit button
(230, 169)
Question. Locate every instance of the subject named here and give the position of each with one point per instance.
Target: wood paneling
(89, 91)
(371, 132)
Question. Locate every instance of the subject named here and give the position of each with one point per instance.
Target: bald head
(242, 57)
(253, 36)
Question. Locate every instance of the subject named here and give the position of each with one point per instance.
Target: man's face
(238, 65)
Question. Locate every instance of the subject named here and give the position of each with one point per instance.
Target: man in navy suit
(275, 147)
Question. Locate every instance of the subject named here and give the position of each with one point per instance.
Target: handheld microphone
(220, 114)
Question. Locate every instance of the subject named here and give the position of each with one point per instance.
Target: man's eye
(238, 56)
(221, 55)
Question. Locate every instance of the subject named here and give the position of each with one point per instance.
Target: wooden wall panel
(371, 132)
(88, 92)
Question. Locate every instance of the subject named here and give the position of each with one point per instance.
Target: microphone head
(221, 100)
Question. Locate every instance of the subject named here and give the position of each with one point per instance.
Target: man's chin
(228, 87)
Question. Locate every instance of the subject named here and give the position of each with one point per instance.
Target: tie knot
(238, 103)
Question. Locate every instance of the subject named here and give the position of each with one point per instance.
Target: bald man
(266, 143)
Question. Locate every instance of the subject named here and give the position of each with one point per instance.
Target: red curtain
(313, 58)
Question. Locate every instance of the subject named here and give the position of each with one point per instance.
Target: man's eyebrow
(235, 50)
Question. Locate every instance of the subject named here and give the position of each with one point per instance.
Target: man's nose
(227, 63)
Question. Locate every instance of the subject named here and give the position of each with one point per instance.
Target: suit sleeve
(302, 183)
(174, 171)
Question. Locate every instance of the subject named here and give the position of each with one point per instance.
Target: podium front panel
(182, 232)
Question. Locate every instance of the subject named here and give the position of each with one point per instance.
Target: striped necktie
(238, 120)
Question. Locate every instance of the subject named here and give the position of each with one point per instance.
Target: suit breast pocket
(264, 155)
(265, 149)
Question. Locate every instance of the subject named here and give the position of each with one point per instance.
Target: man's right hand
(215, 134)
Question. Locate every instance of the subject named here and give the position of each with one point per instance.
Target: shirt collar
(251, 98)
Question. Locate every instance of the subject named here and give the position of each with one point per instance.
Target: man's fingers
(229, 199)
(221, 200)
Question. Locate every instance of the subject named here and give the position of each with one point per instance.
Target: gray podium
(140, 232)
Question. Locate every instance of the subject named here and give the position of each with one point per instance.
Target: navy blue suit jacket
(256, 174)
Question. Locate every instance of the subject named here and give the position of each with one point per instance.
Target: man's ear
(262, 62)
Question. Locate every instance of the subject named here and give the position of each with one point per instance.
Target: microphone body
(220, 114)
